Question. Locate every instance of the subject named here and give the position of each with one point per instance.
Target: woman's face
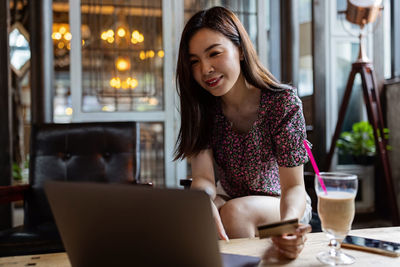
(215, 61)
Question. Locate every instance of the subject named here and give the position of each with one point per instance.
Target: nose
(206, 67)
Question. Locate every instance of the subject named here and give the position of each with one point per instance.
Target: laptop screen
(127, 225)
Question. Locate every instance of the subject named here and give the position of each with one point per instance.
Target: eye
(215, 53)
(193, 62)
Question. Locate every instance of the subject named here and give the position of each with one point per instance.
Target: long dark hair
(196, 104)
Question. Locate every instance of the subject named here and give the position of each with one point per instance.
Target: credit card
(278, 228)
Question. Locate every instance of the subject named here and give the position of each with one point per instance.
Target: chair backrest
(96, 152)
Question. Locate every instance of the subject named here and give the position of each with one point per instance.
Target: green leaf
(360, 141)
(16, 172)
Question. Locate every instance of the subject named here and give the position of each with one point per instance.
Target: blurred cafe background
(67, 61)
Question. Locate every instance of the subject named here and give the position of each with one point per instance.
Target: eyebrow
(207, 49)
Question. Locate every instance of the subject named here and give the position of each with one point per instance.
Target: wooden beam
(42, 70)
(290, 45)
(12, 193)
(319, 30)
(5, 111)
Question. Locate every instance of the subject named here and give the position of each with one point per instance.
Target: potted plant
(360, 143)
(20, 174)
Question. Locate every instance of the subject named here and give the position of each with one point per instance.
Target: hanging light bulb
(115, 82)
(122, 64)
(150, 53)
(62, 30)
(121, 32)
(68, 36)
(56, 36)
(160, 53)
(142, 55)
(133, 83)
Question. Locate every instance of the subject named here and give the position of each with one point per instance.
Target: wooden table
(255, 247)
(315, 243)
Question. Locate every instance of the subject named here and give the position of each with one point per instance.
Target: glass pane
(151, 134)
(122, 55)
(152, 153)
(346, 54)
(20, 52)
(305, 87)
(245, 10)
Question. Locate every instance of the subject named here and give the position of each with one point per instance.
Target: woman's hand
(291, 245)
(220, 227)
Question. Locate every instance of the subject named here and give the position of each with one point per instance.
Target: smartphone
(278, 228)
(372, 245)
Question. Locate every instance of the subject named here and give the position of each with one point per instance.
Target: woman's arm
(293, 194)
(203, 173)
(292, 205)
(203, 179)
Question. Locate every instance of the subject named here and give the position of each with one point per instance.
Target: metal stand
(372, 102)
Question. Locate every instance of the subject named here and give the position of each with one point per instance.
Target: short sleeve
(288, 129)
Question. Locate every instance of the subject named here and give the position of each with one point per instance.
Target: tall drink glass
(336, 211)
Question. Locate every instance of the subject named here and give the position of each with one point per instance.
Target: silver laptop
(124, 225)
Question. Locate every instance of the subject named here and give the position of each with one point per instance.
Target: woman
(237, 117)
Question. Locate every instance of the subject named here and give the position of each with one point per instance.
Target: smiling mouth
(214, 81)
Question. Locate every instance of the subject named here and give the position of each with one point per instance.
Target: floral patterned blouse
(247, 164)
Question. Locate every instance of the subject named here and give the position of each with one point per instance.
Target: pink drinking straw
(314, 166)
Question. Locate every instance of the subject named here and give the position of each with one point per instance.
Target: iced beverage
(336, 194)
(336, 211)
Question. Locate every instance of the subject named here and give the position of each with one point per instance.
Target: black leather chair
(309, 184)
(106, 152)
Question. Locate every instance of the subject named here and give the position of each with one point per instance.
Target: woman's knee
(237, 219)
(233, 212)
(250, 210)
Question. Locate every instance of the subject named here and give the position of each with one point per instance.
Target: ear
(241, 55)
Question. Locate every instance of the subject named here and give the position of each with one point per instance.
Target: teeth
(213, 81)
